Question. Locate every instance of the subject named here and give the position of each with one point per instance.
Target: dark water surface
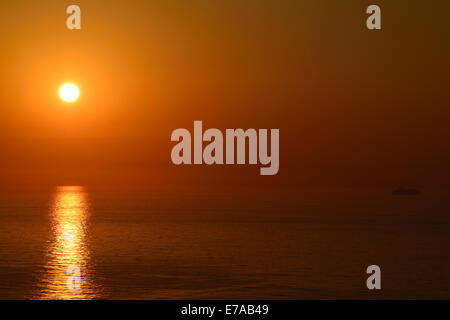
(138, 245)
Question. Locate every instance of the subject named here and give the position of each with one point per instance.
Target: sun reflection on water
(67, 247)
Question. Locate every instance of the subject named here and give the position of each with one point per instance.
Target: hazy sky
(355, 108)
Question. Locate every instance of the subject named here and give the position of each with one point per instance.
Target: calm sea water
(138, 245)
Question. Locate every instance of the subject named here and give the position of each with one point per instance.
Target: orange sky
(355, 108)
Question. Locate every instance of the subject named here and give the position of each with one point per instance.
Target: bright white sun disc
(69, 92)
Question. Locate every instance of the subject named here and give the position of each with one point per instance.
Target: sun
(69, 92)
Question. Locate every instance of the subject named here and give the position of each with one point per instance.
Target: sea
(73, 242)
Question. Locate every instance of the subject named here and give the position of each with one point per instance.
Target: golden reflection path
(67, 249)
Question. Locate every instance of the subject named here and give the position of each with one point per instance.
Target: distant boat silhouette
(403, 191)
